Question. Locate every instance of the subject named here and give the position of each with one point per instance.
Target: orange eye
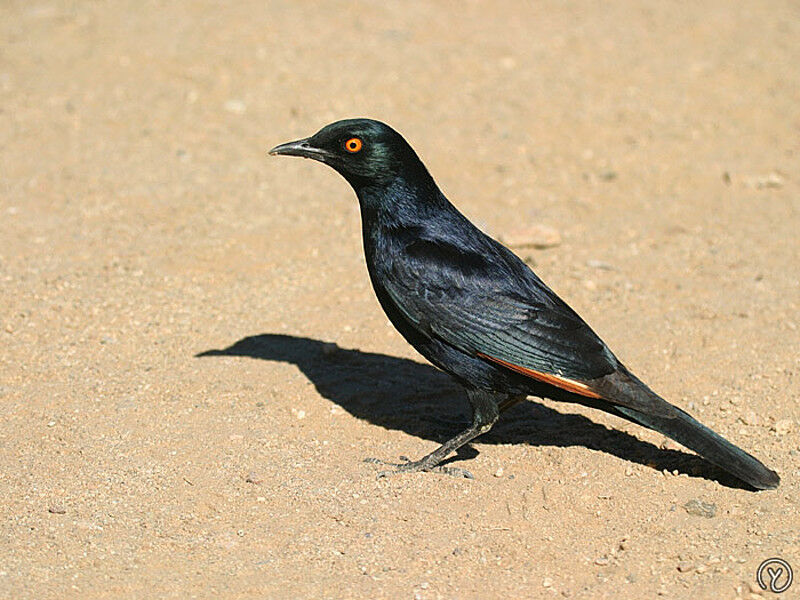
(353, 145)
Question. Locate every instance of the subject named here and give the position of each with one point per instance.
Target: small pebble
(236, 107)
(329, 348)
(547, 582)
(599, 264)
(701, 509)
(772, 181)
(253, 477)
(499, 472)
(685, 566)
(601, 561)
(57, 509)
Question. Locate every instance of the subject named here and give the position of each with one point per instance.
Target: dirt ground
(142, 225)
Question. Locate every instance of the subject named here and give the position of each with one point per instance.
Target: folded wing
(489, 304)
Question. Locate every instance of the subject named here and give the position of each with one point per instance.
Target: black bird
(475, 310)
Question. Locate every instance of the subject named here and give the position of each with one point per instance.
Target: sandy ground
(143, 224)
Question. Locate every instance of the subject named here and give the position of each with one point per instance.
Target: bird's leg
(485, 411)
(509, 401)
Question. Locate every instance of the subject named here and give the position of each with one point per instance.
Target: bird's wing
(479, 305)
(490, 305)
(482, 299)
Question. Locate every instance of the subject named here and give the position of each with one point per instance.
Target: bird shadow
(402, 394)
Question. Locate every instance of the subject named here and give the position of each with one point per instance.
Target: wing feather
(484, 304)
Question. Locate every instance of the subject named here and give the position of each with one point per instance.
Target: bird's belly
(468, 370)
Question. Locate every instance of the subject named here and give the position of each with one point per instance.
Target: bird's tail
(686, 430)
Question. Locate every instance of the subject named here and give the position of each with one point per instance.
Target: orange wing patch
(570, 385)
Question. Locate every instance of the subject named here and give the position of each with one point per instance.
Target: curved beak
(299, 148)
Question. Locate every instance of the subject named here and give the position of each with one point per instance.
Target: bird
(475, 310)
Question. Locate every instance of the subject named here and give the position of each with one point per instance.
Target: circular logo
(774, 574)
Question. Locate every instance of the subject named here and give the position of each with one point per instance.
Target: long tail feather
(686, 430)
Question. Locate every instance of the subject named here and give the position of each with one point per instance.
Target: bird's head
(363, 151)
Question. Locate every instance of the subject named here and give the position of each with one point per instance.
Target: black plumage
(475, 310)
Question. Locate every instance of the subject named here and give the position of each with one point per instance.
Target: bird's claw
(456, 472)
(407, 466)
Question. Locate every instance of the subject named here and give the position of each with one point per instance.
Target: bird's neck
(404, 200)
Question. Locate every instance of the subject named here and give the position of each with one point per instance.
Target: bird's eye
(353, 145)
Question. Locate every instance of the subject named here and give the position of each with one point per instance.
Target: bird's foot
(408, 466)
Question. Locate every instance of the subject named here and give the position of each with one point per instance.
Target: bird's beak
(299, 148)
